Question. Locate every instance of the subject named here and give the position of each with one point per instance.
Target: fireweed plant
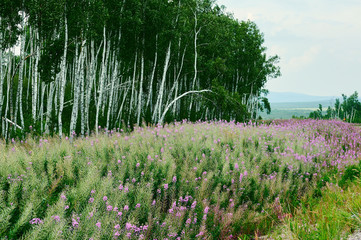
(207, 180)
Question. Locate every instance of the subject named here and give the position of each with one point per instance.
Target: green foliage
(348, 109)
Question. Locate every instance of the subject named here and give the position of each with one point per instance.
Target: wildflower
(120, 187)
(105, 198)
(194, 204)
(188, 221)
(74, 223)
(109, 208)
(91, 200)
(138, 205)
(98, 224)
(115, 209)
(137, 165)
(153, 203)
(126, 208)
(66, 207)
(36, 221)
(117, 226)
(166, 186)
(174, 179)
(116, 234)
(206, 210)
(128, 226)
(56, 218)
(200, 234)
(236, 166)
(120, 214)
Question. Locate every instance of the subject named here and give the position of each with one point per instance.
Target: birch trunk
(34, 93)
(49, 107)
(114, 78)
(79, 63)
(101, 83)
(19, 101)
(41, 109)
(62, 79)
(150, 94)
(161, 119)
(133, 87)
(140, 89)
(1, 77)
(158, 105)
(82, 93)
(9, 70)
(196, 32)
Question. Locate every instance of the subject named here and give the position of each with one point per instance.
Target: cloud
(318, 42)
(298, 63)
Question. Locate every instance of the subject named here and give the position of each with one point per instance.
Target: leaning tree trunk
(150, 93)
(158, 105)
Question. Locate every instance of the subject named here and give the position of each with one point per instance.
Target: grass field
(214, 180)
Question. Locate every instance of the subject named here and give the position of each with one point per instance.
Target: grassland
(214, 180)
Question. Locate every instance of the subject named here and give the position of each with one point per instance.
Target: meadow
(204, 180)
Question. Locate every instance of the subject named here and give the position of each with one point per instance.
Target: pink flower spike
(99, 224)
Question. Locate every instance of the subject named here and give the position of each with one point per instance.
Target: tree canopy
(111, 63)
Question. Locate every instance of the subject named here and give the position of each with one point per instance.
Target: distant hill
(285, 105)
(282, 97)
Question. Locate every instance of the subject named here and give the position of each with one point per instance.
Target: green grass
(334, 216)
(189, 181)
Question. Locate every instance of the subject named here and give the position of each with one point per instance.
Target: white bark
(1, 75)
(120, 113)
(150, 94)
(62, 80)
(101, 82)
(19, 104)
(34, 93)
(82, 93)
(41, 109)
(49, 107)
(158, 105)
(133, 87)
(79, 63)
(196, 32)
(114, 78)
(175, 100)
(140, 90)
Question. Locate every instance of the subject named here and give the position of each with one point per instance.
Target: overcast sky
(318, 41)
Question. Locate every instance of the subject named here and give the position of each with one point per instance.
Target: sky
(318, 41)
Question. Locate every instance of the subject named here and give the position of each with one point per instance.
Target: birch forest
(72, 67)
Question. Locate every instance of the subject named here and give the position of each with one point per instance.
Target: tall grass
(214, 180)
